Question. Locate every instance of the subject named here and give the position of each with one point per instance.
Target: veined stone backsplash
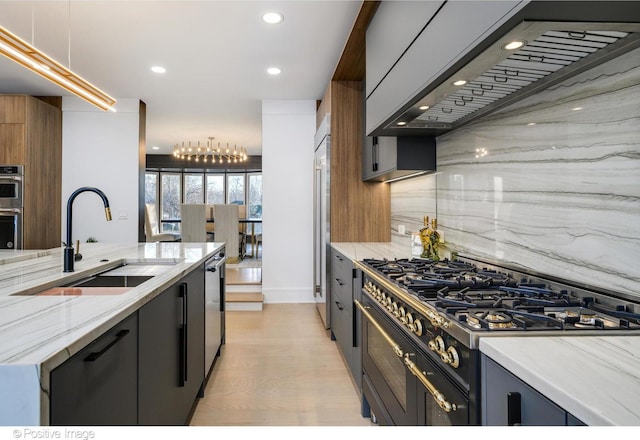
(557, 189)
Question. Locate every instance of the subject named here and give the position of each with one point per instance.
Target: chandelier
(209, 153)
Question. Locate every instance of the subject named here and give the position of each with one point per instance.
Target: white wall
(100, 149)
(288, 129)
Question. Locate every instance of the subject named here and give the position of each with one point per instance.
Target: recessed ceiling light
(158, 69)
(272, 18)
(460, 82)
(273, 71)
(531, 123)
(424, 107)
(514, 45)
(155, 147)
(575, 109)
(402, 123)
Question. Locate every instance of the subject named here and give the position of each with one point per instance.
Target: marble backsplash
(551, 183)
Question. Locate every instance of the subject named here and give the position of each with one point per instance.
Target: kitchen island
(41, 332)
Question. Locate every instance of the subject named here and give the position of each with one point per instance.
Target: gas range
(445, 307)
(469, 299)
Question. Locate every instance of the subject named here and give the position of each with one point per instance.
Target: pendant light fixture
(209, 153)
(18, 50)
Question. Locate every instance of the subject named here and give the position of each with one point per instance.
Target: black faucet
(69, 258)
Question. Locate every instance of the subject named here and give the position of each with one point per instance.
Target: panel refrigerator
(321, 221)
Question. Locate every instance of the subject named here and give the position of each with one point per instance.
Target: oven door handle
(440, 398)
(396, 348)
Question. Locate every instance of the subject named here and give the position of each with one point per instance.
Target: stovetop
(480, 299)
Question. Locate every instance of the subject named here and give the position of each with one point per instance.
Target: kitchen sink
(115, 281)
(106, 280)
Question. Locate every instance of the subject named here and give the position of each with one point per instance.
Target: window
(193, 189)
(170, 192)
(255, 195)
(169, 189)
(235, 188)
(215, 189)
(151, 188)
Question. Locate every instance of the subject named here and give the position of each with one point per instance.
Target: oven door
(11, 192)
(401, 384)
(440, 403)
(388, 386)
(10, 229)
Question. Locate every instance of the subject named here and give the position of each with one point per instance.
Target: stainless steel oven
(401, 384)
(10, 228)
(11, 186)
(11, 206)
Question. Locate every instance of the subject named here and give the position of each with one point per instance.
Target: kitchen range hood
(529, 58)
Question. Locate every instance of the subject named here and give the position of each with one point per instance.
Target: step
(247, 301)
(243, 276)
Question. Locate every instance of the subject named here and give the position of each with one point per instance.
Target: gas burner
(490, 319)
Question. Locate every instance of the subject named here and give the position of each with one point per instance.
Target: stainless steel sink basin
(115, 281)
(111, 281)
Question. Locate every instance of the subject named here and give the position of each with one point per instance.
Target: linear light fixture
(13, 47)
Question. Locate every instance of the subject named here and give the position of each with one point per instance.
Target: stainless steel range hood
(551, 52)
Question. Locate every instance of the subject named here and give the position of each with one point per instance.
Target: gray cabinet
(390, 157)
(508, 401)
(447, 35)
(171, 352)
(99, 384)
(343, 325)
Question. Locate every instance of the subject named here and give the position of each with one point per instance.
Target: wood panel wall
(360, 211)
(31, 135)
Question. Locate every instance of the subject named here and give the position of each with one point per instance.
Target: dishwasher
(214, 309)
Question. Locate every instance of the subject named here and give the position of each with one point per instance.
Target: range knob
(409, 320)
(417, 327)
(402, 315)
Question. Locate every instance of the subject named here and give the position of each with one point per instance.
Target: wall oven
(11, 186)
(401, 385)
(11, 206)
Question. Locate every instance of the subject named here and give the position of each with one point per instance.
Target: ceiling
(216, 54)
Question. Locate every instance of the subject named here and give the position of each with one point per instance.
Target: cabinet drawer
(341, 270)
(99, 385)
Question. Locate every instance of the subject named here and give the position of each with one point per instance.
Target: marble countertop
(41, 332)
(360, 251)
(596, 379)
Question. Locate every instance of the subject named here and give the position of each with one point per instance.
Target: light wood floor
(279, 368)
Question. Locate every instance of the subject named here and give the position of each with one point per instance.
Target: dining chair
(226, 222)
(152, 229)
(193, 223)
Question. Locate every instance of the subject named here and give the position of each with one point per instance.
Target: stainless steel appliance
(11, 206)
(214, 323)
(435, 313)
(321, 221)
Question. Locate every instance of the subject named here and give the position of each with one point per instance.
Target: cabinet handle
(339, 281)
(183, 336)
(339, 305)
(514, 409)
(211, 269)
(96, 355)
(374, 150)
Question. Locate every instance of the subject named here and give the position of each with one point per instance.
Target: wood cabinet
(360, 211)
(389, 157)
(171, 353)
(31, 135)
(508, 401)
(444, 38)
(98, 385)
(344, 328)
